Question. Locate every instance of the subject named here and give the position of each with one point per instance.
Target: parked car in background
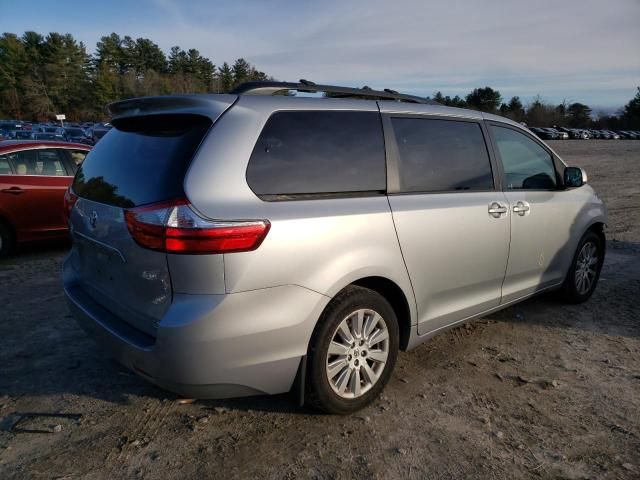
(10, 125)
(559, 134)
(34, 176)
(403, 219)
(77, 135)
(626, 135)
(22, 135)
(97, 133)
(47, 137)
(571, 132)
(53, 133)
(576, 133)
(613, 135)
(544, 134)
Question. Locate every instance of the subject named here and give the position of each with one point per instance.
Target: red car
(34, 176)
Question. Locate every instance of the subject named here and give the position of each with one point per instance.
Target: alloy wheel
(586, 268)
(358, 353)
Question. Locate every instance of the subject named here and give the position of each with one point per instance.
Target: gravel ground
(538, 390)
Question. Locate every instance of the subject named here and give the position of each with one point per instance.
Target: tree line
(544, 114)
(41, 76)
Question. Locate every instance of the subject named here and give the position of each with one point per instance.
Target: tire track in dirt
(144, 425)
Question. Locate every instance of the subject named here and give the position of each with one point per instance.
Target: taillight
(174, 227)
(70, 200)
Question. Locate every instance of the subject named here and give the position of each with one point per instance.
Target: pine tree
(226, 77)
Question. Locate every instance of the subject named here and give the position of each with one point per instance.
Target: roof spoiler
(206, 105)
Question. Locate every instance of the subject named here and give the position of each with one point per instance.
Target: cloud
(569, 48)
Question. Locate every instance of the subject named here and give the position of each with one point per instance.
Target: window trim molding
(393, 154)
(293, 197)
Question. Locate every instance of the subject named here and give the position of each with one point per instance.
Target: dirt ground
(538, 390)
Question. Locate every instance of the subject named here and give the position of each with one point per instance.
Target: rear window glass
(322, 152)
(141, 160)
(441, 155)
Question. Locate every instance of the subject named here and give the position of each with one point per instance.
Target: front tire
(584, 272)
(352, 351)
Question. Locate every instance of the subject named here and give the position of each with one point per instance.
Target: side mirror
(574, 177)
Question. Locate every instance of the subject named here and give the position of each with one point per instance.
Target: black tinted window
(526, 164)
(141, 160)
(318, 152)
(441, 155)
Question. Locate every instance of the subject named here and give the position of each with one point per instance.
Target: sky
(574, 50)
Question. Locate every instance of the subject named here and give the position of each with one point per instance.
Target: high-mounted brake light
(70, 200)
(174, 227)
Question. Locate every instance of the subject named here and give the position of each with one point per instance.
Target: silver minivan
(268, 240)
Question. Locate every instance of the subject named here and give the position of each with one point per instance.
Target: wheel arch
(396, 297)
(598, 227)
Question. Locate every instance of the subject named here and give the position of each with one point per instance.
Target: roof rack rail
(306, 86)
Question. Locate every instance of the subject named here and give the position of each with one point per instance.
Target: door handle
(13, 190)
(496, 210)
(521, 208)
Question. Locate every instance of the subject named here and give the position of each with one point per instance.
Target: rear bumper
(212, 346)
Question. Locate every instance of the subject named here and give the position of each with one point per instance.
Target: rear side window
(5, 168)
(40, 162)
(527, 166)
(50, 163)
(441, 155)
(141, 160)
(322, 152)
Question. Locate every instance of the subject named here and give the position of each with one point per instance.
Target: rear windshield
(141, 160)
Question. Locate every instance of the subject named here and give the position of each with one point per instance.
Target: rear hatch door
(141, 161)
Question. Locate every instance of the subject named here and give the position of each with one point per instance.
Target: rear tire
(352, 351)
(6, 240)
(584, 271)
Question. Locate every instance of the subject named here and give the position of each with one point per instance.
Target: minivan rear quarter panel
(352, 238)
